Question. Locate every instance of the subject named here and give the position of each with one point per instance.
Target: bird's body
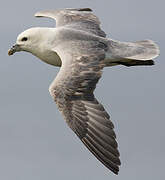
(81, 49)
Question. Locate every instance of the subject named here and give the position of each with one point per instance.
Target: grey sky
(36, 143)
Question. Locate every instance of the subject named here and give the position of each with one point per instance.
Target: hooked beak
(14, 49)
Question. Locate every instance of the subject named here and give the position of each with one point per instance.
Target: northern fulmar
(79, 46)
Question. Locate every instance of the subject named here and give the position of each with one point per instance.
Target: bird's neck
(44, 50)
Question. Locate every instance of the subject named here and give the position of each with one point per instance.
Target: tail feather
(150, 50)
(132, 53)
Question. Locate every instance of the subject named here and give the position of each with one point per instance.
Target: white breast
(49, 57)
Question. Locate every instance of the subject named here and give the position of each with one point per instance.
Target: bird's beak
(14, 49)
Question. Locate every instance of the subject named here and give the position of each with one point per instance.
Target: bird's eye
(24, 39)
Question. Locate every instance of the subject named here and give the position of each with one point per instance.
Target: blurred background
(35, 142)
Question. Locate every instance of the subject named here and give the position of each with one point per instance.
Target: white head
(40, 42)
(28, 40)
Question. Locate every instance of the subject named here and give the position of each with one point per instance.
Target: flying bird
(79, 46)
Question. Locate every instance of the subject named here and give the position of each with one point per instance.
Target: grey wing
(72, 91)
(80, 19)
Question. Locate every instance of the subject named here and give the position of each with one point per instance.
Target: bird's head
(27, 41)
(40, 42)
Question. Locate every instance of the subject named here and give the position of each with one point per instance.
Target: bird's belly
(49, 57)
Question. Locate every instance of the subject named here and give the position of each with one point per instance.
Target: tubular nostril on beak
(13, 49)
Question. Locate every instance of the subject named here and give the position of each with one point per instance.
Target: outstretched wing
(80, 19)
(73, 89)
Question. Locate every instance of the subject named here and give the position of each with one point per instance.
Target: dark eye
(24, 39)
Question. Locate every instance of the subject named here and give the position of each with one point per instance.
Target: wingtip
(44, 13)
(79, 9)
(85, 9)
(37, 14)
(40, 13)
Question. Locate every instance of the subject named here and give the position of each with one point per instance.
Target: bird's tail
(132, 53)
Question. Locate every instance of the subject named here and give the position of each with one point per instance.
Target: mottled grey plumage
(81, 48)
(80, 19)
(73, 92)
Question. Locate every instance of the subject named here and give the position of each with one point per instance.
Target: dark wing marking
(73, 89)
(80, 19)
